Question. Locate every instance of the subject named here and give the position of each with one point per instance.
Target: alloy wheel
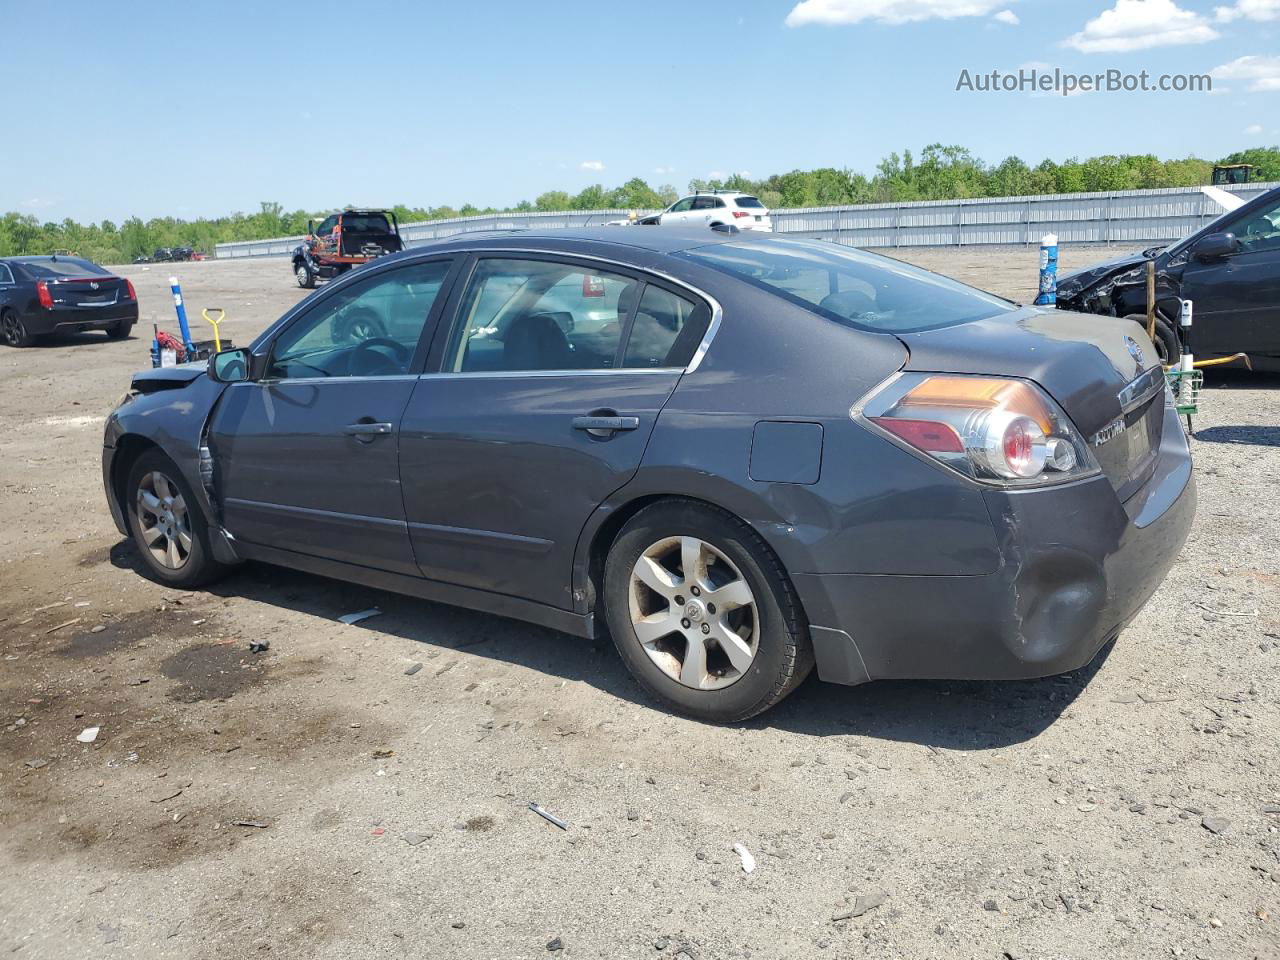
(12, 330)
(693, 613)
(164, 521)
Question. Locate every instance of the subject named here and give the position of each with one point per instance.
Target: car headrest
(536, 342)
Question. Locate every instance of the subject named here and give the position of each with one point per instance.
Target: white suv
(740, 209)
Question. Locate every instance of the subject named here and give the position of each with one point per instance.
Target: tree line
(938, 173)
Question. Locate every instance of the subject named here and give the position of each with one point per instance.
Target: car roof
(41, 258)
(654, 239)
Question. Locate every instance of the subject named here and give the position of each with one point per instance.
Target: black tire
(302, 273)
(120, 329)
(1168, 346)
(199, 567)
(783, 655)
(13, 331)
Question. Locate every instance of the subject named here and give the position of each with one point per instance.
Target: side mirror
(1215, 246)
(230, 366)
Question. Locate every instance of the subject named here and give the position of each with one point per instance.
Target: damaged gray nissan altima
(740, 457)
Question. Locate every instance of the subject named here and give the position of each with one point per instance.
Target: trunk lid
(80, 292)
(1101, 370)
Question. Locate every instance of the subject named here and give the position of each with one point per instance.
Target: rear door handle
(367, 431)
(605, 426)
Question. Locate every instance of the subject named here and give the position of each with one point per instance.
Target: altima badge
(1109, 432)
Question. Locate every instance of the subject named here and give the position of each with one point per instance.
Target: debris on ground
(554, 945)
(260, 824)
(60, 626)
(350, 618)
(1216, 824)
(748, 861)
(88, 734)
(865, 903)
(412, 668)
(549, 817)
(259, 646)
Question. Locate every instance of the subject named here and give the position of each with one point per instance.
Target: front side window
(327, 224)
(851, 286)
(682, 205)
(364, 329)
(1259, 230)
(529, 315)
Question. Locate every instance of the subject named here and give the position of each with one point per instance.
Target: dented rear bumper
(1077, 566)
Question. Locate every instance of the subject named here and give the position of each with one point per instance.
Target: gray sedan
(739, 457)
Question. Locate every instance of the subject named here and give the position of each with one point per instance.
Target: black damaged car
(1230, 270)
(40, 295)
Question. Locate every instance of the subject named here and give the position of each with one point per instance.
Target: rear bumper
(1078, 565)
(80, 318)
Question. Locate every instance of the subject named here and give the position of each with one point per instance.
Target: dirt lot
(318, 801)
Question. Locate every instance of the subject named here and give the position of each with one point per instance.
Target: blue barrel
(1048, 295)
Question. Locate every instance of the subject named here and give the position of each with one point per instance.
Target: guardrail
(1120, 217)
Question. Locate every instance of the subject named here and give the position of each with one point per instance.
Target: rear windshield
(366, 222)
(851, 286)
(748, 202)
(63, 267)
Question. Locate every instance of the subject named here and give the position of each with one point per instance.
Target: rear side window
(749, 202)
(532, 315)
(666, 330)
(6, 276)
(63, 267)
(851, 286)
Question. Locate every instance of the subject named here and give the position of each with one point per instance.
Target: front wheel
(13, 331)
(167, 525)
(703, 614)
(302, 273)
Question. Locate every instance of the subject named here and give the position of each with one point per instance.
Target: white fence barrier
(1127, 217)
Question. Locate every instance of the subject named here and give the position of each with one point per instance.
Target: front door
(547, 389)
(1237, 300)
(306, 459)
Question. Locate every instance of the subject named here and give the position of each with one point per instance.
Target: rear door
(546, 390)
(307, 460)
(1237, 300)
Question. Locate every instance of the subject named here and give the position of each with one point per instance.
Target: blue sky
(149, 109)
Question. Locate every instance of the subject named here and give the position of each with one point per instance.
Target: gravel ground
(325, 799)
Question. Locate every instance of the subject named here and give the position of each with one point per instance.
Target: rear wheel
(13, 331)
(306, 279)
(120, 329)
(703, 614)
(167, 525)
(1168, 346)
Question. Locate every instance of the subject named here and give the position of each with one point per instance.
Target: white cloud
(745, 174)
(1006, 16)
(664, 170)
(591, 165)
(1262, 74)
(36, 203)
(1253, 129)
(716, 175)
(1248, 10)
(1140, 25)
(836, 12)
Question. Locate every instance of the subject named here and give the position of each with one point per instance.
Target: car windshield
(748, 202)
(851, 286)
(52, 269)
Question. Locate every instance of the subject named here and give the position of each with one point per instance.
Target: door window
(363, 329)
(666, 330)
(528, 315)
(6, 277)
(1259, 230)
(706, 203)
(682, 205)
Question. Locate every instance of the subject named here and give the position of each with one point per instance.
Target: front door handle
(366, 431)
(605, 426)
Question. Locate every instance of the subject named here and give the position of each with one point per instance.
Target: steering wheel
(367, 362)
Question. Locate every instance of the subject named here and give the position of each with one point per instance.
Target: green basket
(1186, 387)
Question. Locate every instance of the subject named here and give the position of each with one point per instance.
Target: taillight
(129, 292)
(42, 294)
(991, 429)
(741, 213)
(592, 286)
